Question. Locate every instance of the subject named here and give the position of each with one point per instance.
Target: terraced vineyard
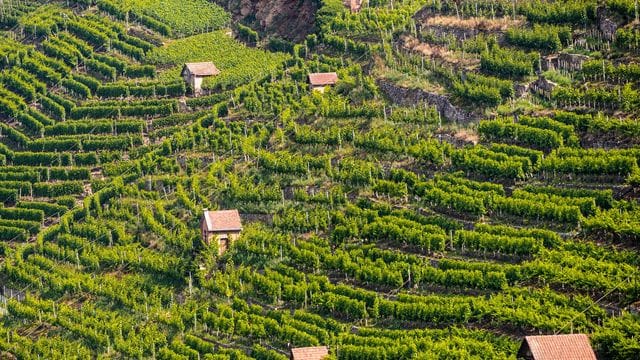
(471, 179)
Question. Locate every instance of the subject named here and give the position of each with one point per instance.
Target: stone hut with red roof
(223, 227)
(309, 353)
(318, 81)
(556, 347)
(194, 74)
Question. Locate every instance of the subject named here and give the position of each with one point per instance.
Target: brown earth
(411, 43)
(475, 23)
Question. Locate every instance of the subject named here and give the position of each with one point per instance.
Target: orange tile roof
(202, 68)
(223, 220)
(309, 353)
(558, 347)
(320, 79)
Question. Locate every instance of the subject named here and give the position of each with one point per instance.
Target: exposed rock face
(564, 61)
(543, 87)
(290, 19)
(520, 89)
(607, 26)
(409, 97)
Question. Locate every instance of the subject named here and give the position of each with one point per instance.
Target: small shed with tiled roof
(318, 81)
(194, 73)
(556, 347)
(222, 226)
(309, 353)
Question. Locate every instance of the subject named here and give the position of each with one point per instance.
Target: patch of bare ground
(475, 23)
(36, 330)
(458, 137)
(7, 355)
(466, 137)
(455, 58)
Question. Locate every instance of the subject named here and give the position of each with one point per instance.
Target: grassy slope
(184, 17)
(238, 64)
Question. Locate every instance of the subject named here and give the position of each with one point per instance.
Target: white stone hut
(194, 74)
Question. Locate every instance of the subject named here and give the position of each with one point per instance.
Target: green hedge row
(31, 176)
(106, 71)
(76, 88)
(88, 81)
(48, 208)
(14, 135)
(33, 227)
(68, 105)
(21, 186)
(13, 234)
(52, 108)
(143, 91)
(42, 159)
(36, 174)
(8, 196)
(139, 71)
(58, 189)
(95, 127)
(97, 112)
(22, 214)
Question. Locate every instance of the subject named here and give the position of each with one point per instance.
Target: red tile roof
(223, 220)
(202, 69)
(309, 353)
(558, 347)
(321, 79)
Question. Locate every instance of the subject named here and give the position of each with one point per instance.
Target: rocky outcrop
(520, 90)
(289, 19)
(607, 26)
(409, 97)
(564, 61)
(543, 87)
